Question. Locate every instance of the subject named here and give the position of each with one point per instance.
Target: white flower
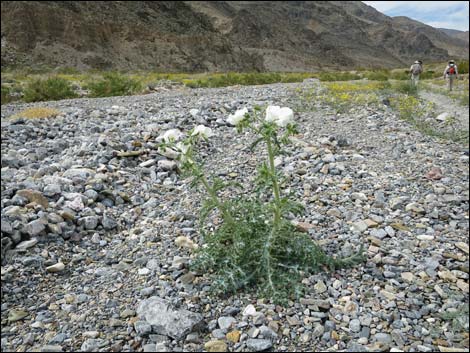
(170, 135)
(182, 148)
(238, 116)
(202, 131)
(280, 116)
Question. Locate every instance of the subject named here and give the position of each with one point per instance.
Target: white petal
(286, 116)
(238, 116)
(182, 147)
(202, 131)
(170, 135)
(272, 113)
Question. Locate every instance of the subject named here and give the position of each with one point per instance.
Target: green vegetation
(244, 79)
(458, 318)
(462, 66)
(338, 76)
(6, 94)
(114, 84)
(246, 254)
(346, 95)
(462, 99)
(412, 110)
(37, 113)
(379, 75)
(406, 88)
(104, 84)
(256, 247)
(49, 89)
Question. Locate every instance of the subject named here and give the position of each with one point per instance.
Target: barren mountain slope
(215, 36)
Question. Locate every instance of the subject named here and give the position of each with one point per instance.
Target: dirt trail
(446, 104)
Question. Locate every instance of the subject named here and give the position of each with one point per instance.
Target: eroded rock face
(160, 35)
(166, 320)
(215, 36)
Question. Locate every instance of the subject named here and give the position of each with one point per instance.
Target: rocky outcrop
(203, 36)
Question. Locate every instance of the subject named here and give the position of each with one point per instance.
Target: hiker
(451, 73)
(415, 70)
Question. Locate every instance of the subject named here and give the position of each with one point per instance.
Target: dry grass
(37, 113)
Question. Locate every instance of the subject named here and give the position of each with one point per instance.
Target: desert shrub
(6, 97)
(67, 70)
(37, 113)
(408, 107)
(256, 246)
(381, 75)
(343, 96)
(406, 88)
(463, 99)
(49, 89)
(412, 110)
(462, 66)
(113, 84)
(430, 74)
(244, 79)
(338, 76)
(400, 75)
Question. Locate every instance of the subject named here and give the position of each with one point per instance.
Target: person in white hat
(451, 73)
(415, 70)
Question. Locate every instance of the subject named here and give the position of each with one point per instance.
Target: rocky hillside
(162, 35)
(457, 34)
(216, 36)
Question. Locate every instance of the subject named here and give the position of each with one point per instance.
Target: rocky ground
(446, 107)
(94, 211)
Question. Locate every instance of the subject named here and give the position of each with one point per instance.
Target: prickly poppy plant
(256, 247)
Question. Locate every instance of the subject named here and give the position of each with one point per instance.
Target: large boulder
(166, 320)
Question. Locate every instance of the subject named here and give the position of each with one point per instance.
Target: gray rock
(225, 322)
(91, 194)
(91, 345)
(166, 320)
(360, 226)
(35, 227)
(318, 330)
(365, 332)
(82, 173)
(59, 338)
(355, 325)
(161, 347)
(258, 345)
(90, 222)
(52, 348)
(150, 347)
(148, 163)
(142, 328)
(397, 202)
(383, 338)
(52, 190)
(218, 333)
(146, 292)
(267, 332)
(378, 233)
(108, 222)
(166, 165)
(6, 226)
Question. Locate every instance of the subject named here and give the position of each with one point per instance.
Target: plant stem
(277, 214)
(227, 216)
(277, 197)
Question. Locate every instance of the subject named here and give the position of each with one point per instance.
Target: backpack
(451, 70)
(416, 70)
